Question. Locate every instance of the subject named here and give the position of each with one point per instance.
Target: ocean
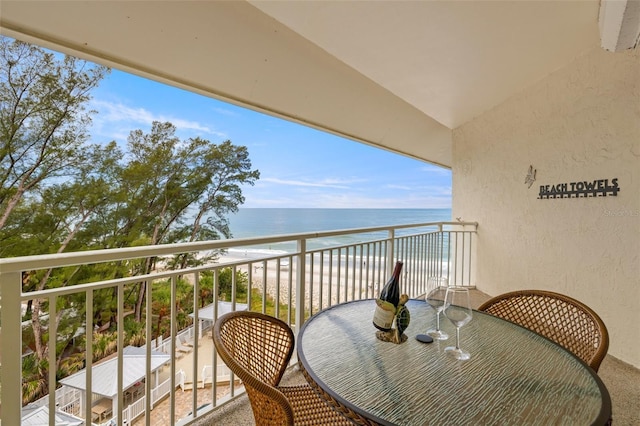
(262, 222)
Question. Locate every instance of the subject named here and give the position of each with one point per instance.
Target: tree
(225, 284)
(43, 118)
(44, 201)
(54, 220)
(177, 191)
(153, 193)
(58, 193)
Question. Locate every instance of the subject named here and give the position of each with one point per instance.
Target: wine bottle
(387, 302)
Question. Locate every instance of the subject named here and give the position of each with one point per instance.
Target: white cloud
(429, 168)
(325, 183)
(339, 193)
(227, 112)
(112, 117)
(399, 187)
(439, 190)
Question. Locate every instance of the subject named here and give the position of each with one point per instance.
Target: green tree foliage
(58, 193)
(43, 118)
(161, 306)
(43, 132)
(224, 285)
(169, 186)
(34, 378)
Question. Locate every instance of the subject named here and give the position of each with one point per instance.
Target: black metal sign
(582, 189)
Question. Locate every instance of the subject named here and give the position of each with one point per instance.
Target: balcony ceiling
(399, 75)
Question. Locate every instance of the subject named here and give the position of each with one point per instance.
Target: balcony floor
(621, 379)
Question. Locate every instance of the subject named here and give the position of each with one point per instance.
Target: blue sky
(299, 166)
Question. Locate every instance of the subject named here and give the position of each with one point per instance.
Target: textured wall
(581, 123)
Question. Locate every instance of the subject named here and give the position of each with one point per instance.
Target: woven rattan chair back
(560, 318)
(257, 348)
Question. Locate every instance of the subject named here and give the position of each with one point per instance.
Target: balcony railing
(324, 268)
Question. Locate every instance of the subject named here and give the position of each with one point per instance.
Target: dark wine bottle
(387, 302)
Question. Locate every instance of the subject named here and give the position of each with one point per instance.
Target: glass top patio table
(514, 376)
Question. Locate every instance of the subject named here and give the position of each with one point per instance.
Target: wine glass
(436, 292)
(457, 307)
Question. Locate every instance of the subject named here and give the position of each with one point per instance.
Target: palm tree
(104, 344)
(34, 378)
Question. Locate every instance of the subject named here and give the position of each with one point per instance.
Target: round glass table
(514, 376)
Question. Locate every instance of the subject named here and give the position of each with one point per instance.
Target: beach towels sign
(581, 189)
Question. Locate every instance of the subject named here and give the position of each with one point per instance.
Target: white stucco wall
(581, 123)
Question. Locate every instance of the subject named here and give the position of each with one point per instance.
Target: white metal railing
(299, 283)
(162, 390)
(69, 400)
(161, 345)
(72, 407)
(135, 410)
(65, 396)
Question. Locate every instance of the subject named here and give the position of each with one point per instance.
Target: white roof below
(207, 313)
(104, 374)
(39, 416)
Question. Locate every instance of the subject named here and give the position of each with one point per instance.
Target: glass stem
(457, 337)
(438, 321)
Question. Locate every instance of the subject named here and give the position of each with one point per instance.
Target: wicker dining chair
(566, 321)
(257, 348)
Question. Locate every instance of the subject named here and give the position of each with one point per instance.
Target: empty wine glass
(436, 292)
(457, 308)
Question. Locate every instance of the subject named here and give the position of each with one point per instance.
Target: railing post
(473, 256)
(196, 343)
(118, 403)
(390, 251)
(86, 407)
(300, 283)
(11, 391)
(174, 332)
(53, 340)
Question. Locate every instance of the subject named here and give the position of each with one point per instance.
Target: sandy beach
(325, 281)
